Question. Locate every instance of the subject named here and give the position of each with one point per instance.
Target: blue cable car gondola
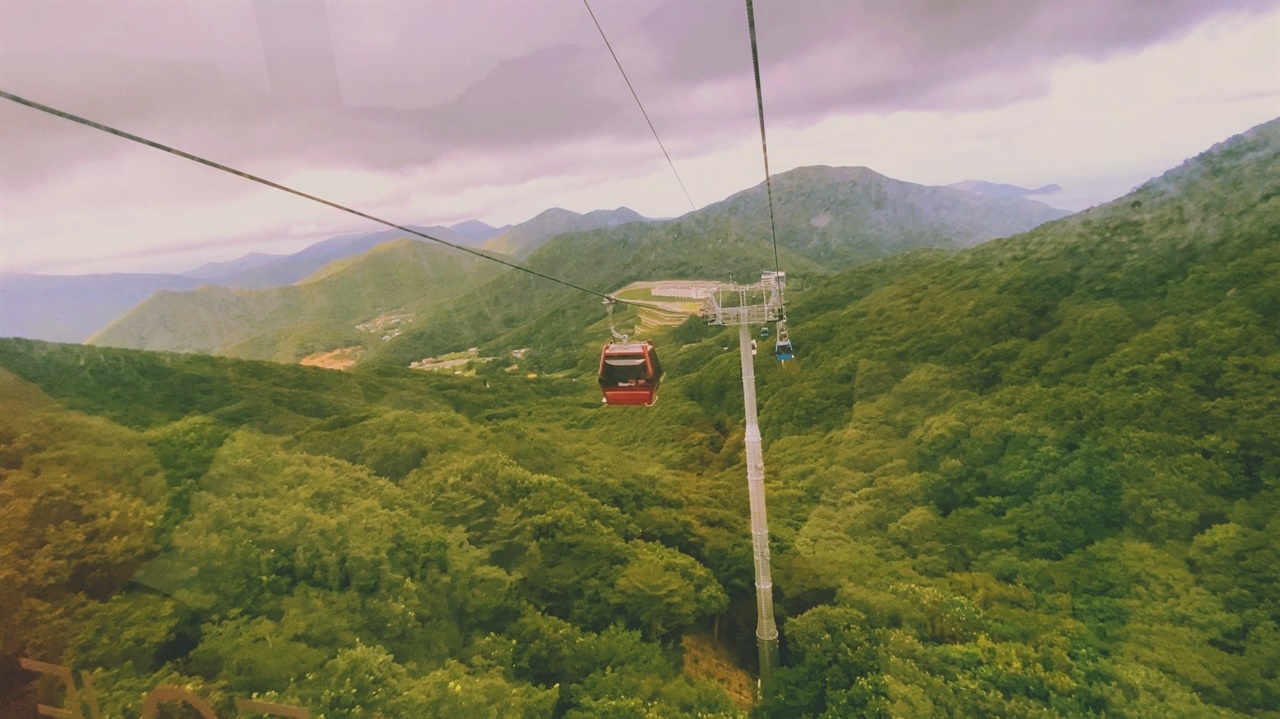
(782, 349)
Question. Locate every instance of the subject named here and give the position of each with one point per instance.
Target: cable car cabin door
(629, 374)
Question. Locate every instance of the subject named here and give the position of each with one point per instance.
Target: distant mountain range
(521, 240)
(393, 283)
(70, 308)
(994, 189)
(259, 271)
(831, 217)
(828, 219)
(843, 216)
(62, 308)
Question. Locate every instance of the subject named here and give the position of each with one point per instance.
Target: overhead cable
(764, 147)
(639, 104)
(284, 188)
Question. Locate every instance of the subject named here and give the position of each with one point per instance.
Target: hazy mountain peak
(995, 189)
(823, 174)
(216, 270)
(256, 270)
(621, 215)
(841, 216)
(399, 245)
(552, 213)
(478, 231)
(524, 238)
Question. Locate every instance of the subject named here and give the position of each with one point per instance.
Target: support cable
(284, 188)
(764, 148)
(617, 336)
(639, 104)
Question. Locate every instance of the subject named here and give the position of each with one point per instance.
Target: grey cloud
(298, 49)
(907, 55)
(817, 58)
(553, 94)
(170, 101)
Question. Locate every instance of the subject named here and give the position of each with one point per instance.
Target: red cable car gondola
(630, 373)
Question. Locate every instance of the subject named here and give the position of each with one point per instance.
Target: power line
(639, 104)
(764, 147)
(283, 188)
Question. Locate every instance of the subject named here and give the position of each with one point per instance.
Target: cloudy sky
(436, 112)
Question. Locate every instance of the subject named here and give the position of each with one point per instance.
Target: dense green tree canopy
(1036, 478)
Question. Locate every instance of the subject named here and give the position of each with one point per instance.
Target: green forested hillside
(1036, 478)
(1049, 484)
(829, 219)
(844, 216)
(318, 313)
(519, 310)
(357, 545)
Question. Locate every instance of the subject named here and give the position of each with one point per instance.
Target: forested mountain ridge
(1061, 449)
(843, 216)
(1034, 478)
(320, 313)
(72, 308)
(522, 239)
(257, 271)
(62, 308)
(477, 231)
(518, 310)
(828, 219)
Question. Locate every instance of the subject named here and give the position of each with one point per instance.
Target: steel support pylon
(766, 629)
